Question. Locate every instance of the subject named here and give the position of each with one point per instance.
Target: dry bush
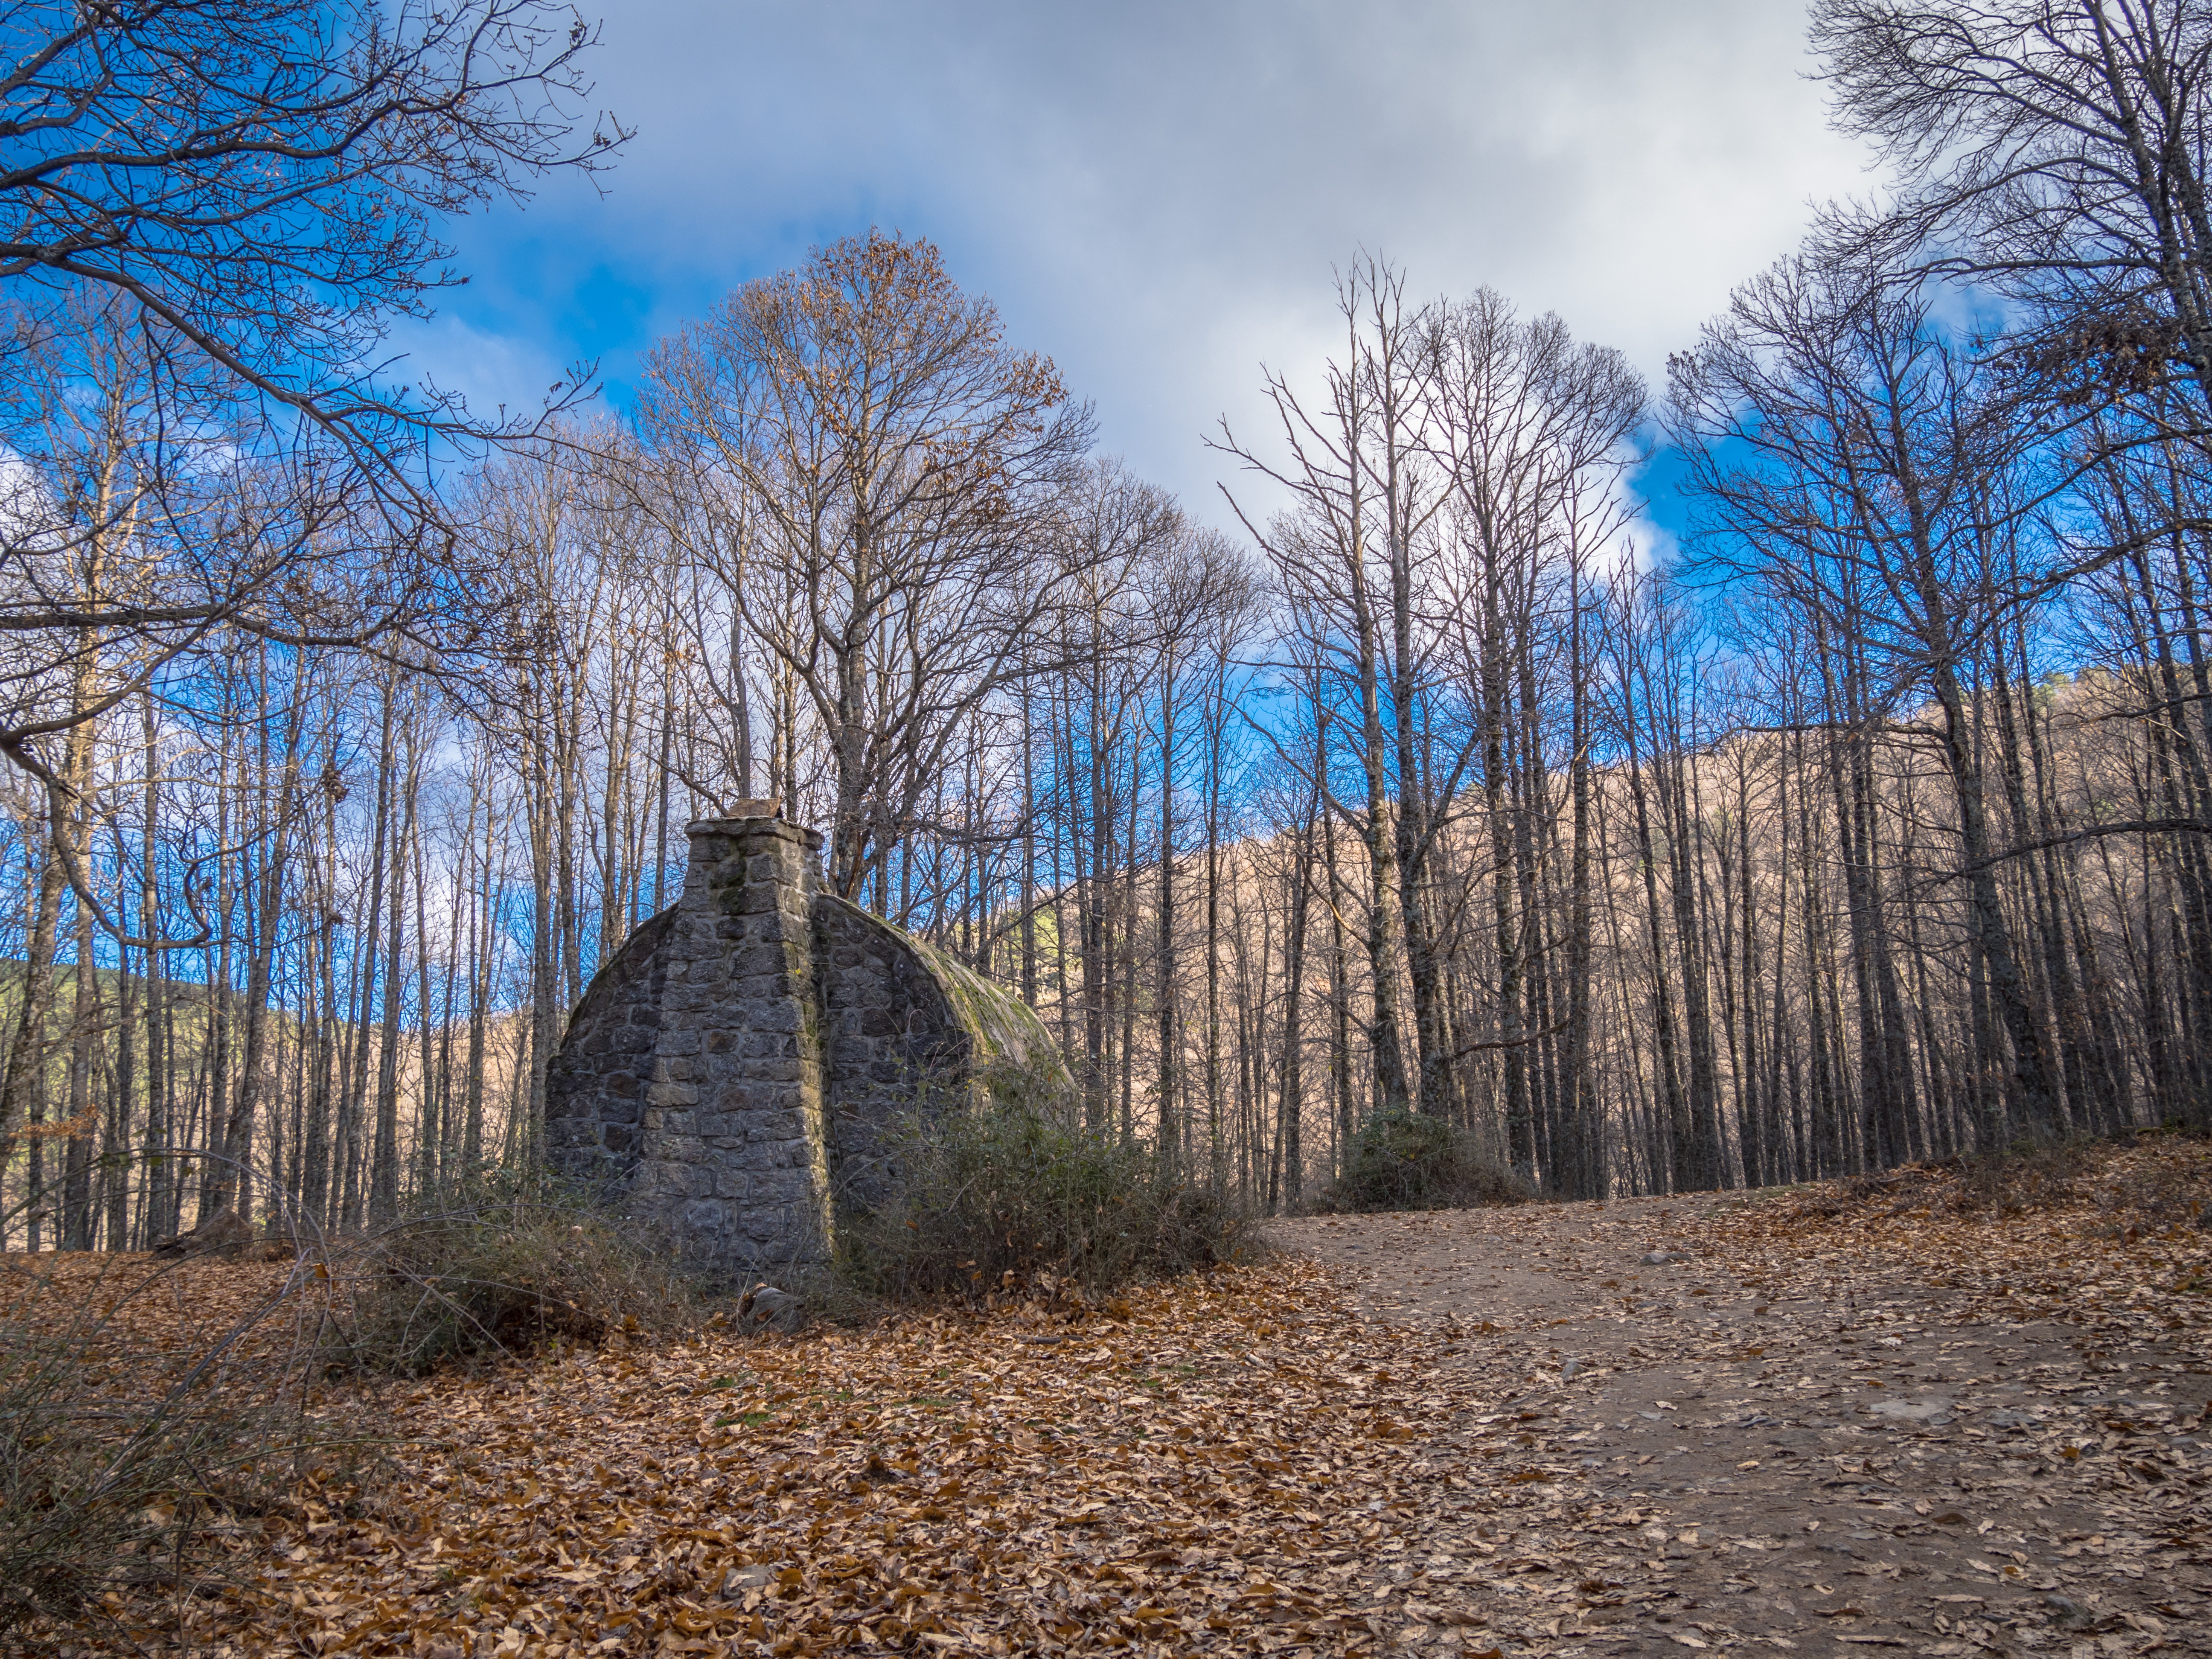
(2005, 1182)
(1403, 1161)
(2027, 1177)
(129, 1424)
(491, 1276)
(1008, 1193)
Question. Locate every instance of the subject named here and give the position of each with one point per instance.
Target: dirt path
(1820, 1434)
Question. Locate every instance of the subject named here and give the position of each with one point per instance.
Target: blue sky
(1155, 194)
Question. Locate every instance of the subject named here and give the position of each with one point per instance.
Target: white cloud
(1154, 193)
(492, 371)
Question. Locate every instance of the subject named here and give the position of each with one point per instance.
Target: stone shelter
(738, 1071)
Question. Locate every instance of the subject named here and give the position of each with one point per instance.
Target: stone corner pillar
(738, 1162)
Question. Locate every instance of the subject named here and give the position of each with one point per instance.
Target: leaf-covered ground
(1831, 1420)
(1213, 1465)
(1914, 1415)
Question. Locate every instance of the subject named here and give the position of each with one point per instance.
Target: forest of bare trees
(345, 739)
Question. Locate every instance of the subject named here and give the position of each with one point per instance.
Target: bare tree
(1863, 463)
(2055, 147)
(244, 196)
(264, 179)
(902, 461)
(1356, 470)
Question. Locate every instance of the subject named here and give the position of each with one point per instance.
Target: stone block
(773, 1010)
(738, 1099)
(784, 1068)
(766, 958)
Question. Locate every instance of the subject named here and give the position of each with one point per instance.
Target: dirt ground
(1920, 1413)
(1882, 1427)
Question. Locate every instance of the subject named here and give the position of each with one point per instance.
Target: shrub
(1401, 1161)
(127, 1422)
(501, 1275)
(1009, 1189)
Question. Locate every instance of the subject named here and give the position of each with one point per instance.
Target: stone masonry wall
(892, 1037)
(733, 1161)
(729, 1152)
(607, 1060)
(733, 1073)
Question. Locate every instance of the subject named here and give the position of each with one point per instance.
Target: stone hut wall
(892, 1039)
(732, 1074)
(607, 1058)
(733, 1157)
